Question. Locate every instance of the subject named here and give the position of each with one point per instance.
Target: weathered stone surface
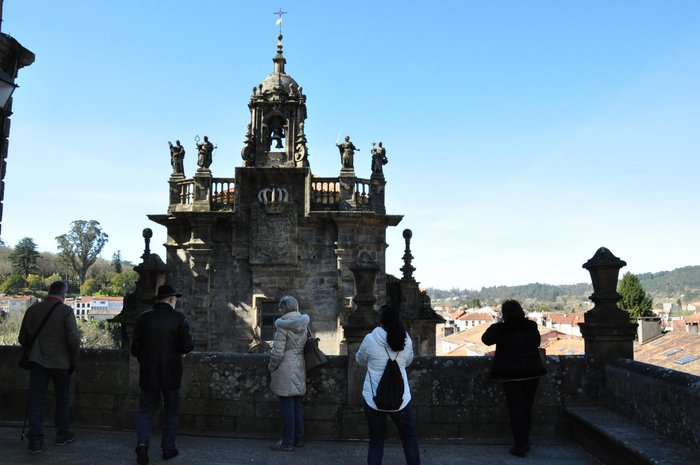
(452, 396)
(664, 400)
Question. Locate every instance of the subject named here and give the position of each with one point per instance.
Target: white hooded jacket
(373, 354)
(287, 355)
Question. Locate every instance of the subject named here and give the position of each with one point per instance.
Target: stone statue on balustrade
(347, 153)
(248, 150)
(379, 159)
(205, 150)
(177, 157)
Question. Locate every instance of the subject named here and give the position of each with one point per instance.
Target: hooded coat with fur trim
(287, 355)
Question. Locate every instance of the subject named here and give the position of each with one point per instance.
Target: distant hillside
(667, 285)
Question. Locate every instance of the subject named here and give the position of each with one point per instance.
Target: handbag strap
(43, 322)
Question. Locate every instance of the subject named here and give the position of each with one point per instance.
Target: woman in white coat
(288, 371)
(388, 340)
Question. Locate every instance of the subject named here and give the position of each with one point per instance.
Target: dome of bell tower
(279, 81)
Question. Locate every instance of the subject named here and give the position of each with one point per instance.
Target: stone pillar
(377, 187)
(607, 331)
(175, 188)
(199, 253)
(360, 322)
(409, 286)
(355, 327)
(347, 189)
(202, 190)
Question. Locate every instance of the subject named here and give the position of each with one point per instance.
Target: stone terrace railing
(453, 396)
(326, 196)
(186, 188)
(325, 193)
(221, 194)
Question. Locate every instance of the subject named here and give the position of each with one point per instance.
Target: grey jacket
(58, 343)
(287, 355)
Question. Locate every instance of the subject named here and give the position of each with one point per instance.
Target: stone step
(616, 439)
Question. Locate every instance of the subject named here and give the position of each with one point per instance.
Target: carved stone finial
(147, 235)
(604, 268)
(407, 268)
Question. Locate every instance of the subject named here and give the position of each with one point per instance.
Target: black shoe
(170, 453)
(63, 439)
(279, 446)
(517, 451)
(142, 454)
(299, 444)
(34, 448)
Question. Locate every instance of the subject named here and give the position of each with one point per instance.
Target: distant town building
(95, 308)
(16, 303)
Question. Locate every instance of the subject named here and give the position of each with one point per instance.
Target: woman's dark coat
(517, 349)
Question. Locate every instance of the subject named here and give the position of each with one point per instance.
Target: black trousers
(520, 396)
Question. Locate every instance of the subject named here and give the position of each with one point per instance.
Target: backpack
(389, 395)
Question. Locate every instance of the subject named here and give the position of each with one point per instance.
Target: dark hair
(58, 288)
(391, 322)
(512, 310)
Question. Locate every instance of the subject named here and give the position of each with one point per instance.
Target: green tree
(51, 279)
(12, 285)
(117, 261)
(24, 257)
(81, 246)
(35, 283)
(473, 303)
(123, 283)
(634, 298)
(89, 287)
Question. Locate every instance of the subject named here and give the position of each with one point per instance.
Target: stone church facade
(235, 246)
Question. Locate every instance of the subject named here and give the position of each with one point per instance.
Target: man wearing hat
(161, 337)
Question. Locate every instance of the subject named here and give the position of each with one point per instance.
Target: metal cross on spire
(279, 13)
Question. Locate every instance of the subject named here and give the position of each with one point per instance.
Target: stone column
(347, 189)
(377, 187)
(202, 190)
(607, 331)
(356, 326)
(175, 188)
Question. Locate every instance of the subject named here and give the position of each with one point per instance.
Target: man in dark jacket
(53, 356)
(161, 337)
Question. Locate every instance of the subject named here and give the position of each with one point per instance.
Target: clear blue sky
(521, 135)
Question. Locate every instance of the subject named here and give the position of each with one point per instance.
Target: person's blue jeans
(292, 420)
(39, 378)
(149, 401)
(405, 422)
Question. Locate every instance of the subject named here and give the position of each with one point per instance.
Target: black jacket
(161, 336)
(517, 349)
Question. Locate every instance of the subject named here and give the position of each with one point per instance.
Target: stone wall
(452, 396)
(665, 400)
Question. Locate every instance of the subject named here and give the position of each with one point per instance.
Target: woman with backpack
(386, 352)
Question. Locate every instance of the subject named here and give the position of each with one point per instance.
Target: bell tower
(275, 136)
